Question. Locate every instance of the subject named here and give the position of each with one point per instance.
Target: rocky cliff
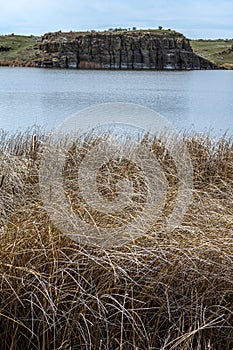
(119, 50)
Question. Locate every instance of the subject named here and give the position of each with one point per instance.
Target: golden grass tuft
(166, 290)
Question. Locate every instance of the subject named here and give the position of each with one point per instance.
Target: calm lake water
(191, 100)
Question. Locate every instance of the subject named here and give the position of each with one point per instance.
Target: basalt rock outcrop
(119, 50)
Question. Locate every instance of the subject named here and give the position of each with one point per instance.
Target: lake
(191, 100)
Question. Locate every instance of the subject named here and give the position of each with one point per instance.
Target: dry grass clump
(166, 290)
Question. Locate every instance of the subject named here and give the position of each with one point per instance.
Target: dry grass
(163, 291)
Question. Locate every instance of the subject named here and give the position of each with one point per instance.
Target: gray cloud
(194, 18)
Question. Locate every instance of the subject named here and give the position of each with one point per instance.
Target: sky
(194, 18)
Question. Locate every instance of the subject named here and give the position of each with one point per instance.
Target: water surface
(199, 100)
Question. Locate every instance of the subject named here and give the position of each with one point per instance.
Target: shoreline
(32, 65)
(150, 49)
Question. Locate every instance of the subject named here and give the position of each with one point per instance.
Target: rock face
(124, 50)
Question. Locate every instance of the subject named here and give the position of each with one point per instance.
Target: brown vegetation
(166, 290)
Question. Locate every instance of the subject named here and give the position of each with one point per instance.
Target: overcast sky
(194, 18)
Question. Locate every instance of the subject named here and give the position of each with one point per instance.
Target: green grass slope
(17, 49)
(217, 51)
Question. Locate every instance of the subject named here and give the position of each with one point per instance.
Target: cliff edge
(152, 49)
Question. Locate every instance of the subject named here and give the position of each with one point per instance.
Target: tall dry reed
(166, 290)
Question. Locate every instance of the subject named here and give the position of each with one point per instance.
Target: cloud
(194, 17)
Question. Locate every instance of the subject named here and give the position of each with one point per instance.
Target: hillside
(18, 50)
(218, 51)
(112, 49)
